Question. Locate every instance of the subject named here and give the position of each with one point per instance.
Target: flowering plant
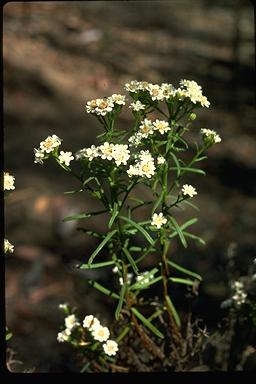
(150, 154)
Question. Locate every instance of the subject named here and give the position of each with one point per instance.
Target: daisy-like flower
(8, 182)
(133, 86)
(91, 106)
(144, 85)
(156, 92)
(121, 154)
(161, 126)
(118, 99)
(106, 151)
(158, 220)
(168, 90)
(110, 347)
(50, 143)
(135, 140)
(65, 157)
(132, 171)
(160, 160)
(146, 128)
(100, 333)
(145, 156)
(90, 322)
(63, 336)
(210, 137)
(188, 190)
(137, 106)
(8, 247)
(104, 106)
(71, 322)
(39, 156)
(204, 101)
(146, 168)
(89, 153)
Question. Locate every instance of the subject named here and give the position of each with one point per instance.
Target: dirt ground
(58, 55)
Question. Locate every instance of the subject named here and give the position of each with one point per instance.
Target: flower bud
(192, 116)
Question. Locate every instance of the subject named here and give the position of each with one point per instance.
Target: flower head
(156, 92)
(8, 181)
(110, 347)
(146, 128)
(39, 156)
(100, 333)
(160, 160)
(158, 220)
(118, 99)
(89, 153)
(161, 126)
(91, 322)
(71, 322)
(8, 247)
(64, 335)
(50, 143)
(137, 106)
(210, 137)
(65, 157)
(188, 190)
(106, 151)
(121, 154)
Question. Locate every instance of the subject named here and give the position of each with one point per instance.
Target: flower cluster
(193, 91)
(46, 147)
(210, 137)
(106, 105)
(144, 165)
(98, 332)
(107, 151)
(8, 182)
(8, 247)
(239, 296)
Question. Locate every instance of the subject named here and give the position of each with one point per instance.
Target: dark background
(58, 55)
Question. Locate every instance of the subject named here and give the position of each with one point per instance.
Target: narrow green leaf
(193, 170)
(135, 249)
(120, 302)
(145, 277)
(158, 201)
(155, 314)
(200, 158)
(173, 310)
(131, 261)
(147, 323)
(84, 215)
(184, 270)
(99, 248)
(179, 231)
(115, 213)
(88, 180)
(123, 333)
(184, 226)
(181, 281)
(194, 237)
(74, 191)
(89, 232)
(140, 285)
(176, 161)
(139, 228)
(96, 265)
(190, 204)
(102, 289)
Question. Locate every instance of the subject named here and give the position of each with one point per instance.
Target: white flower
(65, 157)
(100, 333)
(146, 168)
(115, 269)
(210, 137)
(91, 106)
(158, 220)
(156, 92)
(161, 126)
(129, 279)
(188, 190)
(121, 281)
(146, 128)
(160, 160)
(204, 102)
(90, 322)
(89, 153)
(135, 140)
(8, 247)
(118, 99)
(39, 155)
(110, 347)
(8, 181)
(168, 90)
(106, 151)
(144, 280)
(239, 298)
(104, 106)
(50, 143)
(71, 322)
(64, 335)
(121, 154)
(145, 156)
(133, 86)
(63, 306)
(133, 171)
(137, 106)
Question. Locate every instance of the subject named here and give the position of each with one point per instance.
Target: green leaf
(88, 180)
(173, 310)
(123, 333)
(184, 270)
(190, 204)
(158, 201)
(89, 232)
(147, 323)
(120, 302)
(139, 228)
(115, 213)
(96, 265)
(140, 285)
(181, 281)
(179, 231)
(155, 314)
(99, 248)
(194, 237)
(145, 276)
(84, 215)
(193, 170)
(102, 289)
(135, 249)
(184, 226)
(176, 161)
(8, 336)
(131, 261)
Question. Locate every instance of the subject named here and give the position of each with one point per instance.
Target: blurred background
(58, 55)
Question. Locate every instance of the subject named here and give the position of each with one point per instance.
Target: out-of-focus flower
(8, 182)
(65, 157)
(8, 247)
